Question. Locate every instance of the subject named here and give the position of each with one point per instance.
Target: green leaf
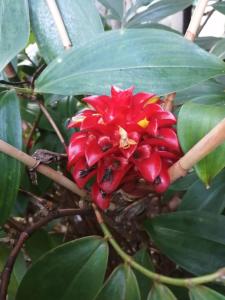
(207, 42)
(135, 6)
(194, 122)
(115, 7)
(194, 240)
(155, 26)
(74, 270)
(199, 198)
(184, 183)
(218, 48)
(181, 293)
(10, 132)
(60, 109)
(81, 20)
(39, 243)
(220, 6)
(205, 93)
(158, 10)
(121, 285)
(14, 29)
(108, 60)
(203, 293)
(143, 258)
(160, 291)
(18, 271)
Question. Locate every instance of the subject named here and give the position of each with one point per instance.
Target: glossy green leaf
(158, 10)
(10, 132)
(140, 3)
(219, 48)
(220, 6)
(199, 198)
(181, 293)
(109, 60)
(160, 291)
(81, 20)
(193, 239)
(18, 271)
(39, 243)
(207, 42)
(135, 6)
(60, 109)
(14, 19)
(194, 122)
(115, 7)
(74, 270)
(155, 26)
(183, 183)
(204, 293)
(143, 258)
(207, 92)
(121, 285)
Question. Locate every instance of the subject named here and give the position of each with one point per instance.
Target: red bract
(122, 136)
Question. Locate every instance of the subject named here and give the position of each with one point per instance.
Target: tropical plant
(130, 116)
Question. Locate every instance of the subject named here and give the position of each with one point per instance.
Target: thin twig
(184, 282)
(39, 201)
(53, 124)
(48, 117)
(190, 35)
(45, 170)
(20, 90)
(206, 20)
(59, 23)
(206, 145)
(35, 125)
(15, 224)
(6, 273)
(36, 74)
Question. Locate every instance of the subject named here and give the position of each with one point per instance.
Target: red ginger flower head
(122, 138)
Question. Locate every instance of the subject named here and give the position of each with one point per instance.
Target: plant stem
(6, 273)
(53, 124)
(196, 20)
(59, 23)
(35, 125)
(24, 91)
(186, 282)
(206, 145)
(43, 169)
(206, 20)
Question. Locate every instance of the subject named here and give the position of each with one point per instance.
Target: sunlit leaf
(81, 20)
(14, 19)
(108, 60)
(194, 122)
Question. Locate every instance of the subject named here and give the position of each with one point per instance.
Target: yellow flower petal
(152, 100)
(143, 123)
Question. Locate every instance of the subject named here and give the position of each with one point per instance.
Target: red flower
(122, 136)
